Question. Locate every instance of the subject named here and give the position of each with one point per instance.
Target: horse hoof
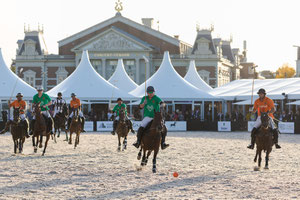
(139, 157)
(41, 146)
(266, 168)
(154, 170)
(256, 168)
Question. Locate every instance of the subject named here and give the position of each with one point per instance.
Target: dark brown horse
(151, 140)
(122, 130)
(60, 122)
(264, 140)
(40, 130)
(17, 129)
(75, 127)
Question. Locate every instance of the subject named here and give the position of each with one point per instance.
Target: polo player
(59, 103)
(74, 104)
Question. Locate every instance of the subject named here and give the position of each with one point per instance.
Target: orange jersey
(75, 103)
(19, 104)
(264, 106)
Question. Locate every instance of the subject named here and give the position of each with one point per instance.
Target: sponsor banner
(171, 125)
(176, 125)
(286, 127)
(250, 125)
(224, 126)
(89, 126)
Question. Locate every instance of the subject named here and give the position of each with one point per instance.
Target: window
(97, 64)
(130, 68)
(61, 74)
(29, 77)
(204, 75)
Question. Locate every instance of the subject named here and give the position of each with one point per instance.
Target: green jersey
(117, 108)
(151, 105)
(44, 99)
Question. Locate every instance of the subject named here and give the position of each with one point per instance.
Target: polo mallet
(253, 85)
(146, 61)
(21, 70)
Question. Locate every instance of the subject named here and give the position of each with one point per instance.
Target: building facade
(119, 37)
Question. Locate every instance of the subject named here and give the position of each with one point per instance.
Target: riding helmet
(73, 94)
(119, 99)
(261, 90)
(150, 89)
(39, 88)
(59, 94)
(19, 95)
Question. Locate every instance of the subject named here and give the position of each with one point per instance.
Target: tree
(285, 71)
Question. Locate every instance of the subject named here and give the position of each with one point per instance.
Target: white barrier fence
(108, 125)
(284, 127)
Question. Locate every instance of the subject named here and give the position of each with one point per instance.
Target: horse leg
(23, 140)
(70, 138)
(58, 132)
(259, 158)
(255, 158)
(66, 136)
(33, 144)
(125, 143)
(148, 154)
(41, 140)
(119, 144)
(267, 160)
(46, 143)
(76, 140)
(144, 158)
(154, 161)
(15, 146)
(139, 154)
(20, 145)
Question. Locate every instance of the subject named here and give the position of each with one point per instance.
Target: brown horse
(122, 130)
(151, 140)
(40, 129)
(60, 123)
(75, 127)
(17, 129)
(264, 140)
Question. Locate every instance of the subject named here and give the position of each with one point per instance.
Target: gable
(113, 40)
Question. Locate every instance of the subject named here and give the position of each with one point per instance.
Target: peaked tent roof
(9, 80)
(242, 89)
(193, 77)
(87, 84)
(121, 80)
(170, 85)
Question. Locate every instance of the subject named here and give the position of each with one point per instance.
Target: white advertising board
(89, 126)
(224, 126)
(286, 127)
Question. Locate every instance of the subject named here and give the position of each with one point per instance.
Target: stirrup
(277, 146)
(251, 146)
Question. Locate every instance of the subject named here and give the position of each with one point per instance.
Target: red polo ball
(175, 174)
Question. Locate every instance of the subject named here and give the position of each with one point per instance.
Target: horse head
(37, 107)
(65, 110)
(265, 119)
(121, 115)
(76, 114)
(16, 115)
(158, 120)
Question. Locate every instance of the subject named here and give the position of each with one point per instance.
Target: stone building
(119, 37)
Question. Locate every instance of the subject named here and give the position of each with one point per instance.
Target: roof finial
(212, 27)
(197, 26)
(118, 6)
(231, 38)
(24, 28)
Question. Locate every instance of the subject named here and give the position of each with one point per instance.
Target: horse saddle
(148, 126)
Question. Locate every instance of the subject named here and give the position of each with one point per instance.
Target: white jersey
(59, 104)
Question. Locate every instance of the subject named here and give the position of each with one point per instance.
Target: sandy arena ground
(211, 165)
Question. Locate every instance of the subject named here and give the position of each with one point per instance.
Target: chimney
(148, 22)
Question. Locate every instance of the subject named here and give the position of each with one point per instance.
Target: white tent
(275, 88)
(87, 84)
(121, 80)
(11, 84)
(297, 103)
(193, 77)
(169, 85)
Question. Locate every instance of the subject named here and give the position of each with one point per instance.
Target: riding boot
(69, 123)
(82, 124)
(115, 124)
(50, 125)
(139, 137)
(25, 122)
(163, 139)
(130, 126)
(275, 138)
(32, 126)
(253, 134)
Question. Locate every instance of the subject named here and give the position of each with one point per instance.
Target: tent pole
(213, 111)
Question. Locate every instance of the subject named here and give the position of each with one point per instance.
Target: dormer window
(61, 74)
(29, 77)
(30, 48)
(203, 46)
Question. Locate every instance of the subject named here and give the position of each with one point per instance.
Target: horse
(151, 140)
(40, 129)
(60, 123)
(122, 130)
(75, 127)
(17, 130)
(264, 140)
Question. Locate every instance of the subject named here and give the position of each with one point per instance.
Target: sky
(269, 27)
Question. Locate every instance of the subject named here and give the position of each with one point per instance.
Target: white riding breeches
(56, 111)
(45, 113)
(80, 114)
(146, 121)
(22, 116)
(258, 123)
